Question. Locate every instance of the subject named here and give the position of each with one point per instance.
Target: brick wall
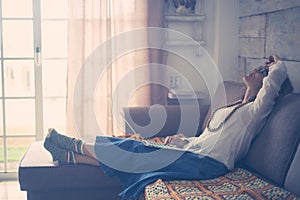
(270, 27)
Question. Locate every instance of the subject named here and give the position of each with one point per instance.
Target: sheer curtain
(92, 23)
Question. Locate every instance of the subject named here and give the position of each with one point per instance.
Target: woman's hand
(176, 140)
(273, 59)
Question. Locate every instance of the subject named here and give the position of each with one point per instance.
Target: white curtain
(91, 94)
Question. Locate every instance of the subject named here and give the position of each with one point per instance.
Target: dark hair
(286, 88)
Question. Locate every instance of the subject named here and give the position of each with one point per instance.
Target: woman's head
(254, 80)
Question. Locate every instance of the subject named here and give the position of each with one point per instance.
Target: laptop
(151, 143)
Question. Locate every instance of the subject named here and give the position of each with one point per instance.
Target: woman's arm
(267, 95)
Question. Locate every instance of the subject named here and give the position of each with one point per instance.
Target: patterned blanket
(238, 184)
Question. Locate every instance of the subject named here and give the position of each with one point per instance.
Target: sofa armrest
(160, 121)
(44, 179)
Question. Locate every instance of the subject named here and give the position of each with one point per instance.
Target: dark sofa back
(272, 151)
(292, 181)
(189, 124)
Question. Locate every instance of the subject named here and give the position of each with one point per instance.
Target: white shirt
(233, 140)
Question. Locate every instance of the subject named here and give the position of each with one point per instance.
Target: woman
(226, 138)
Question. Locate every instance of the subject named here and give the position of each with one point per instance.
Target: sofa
(270, 170)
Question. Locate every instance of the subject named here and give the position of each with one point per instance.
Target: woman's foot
(65, 142)
(63, 156)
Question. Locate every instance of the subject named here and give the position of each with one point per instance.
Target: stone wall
(270, 27)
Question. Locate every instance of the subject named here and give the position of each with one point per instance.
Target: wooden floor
(10, 190)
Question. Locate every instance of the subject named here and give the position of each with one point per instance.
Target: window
(33, 61)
